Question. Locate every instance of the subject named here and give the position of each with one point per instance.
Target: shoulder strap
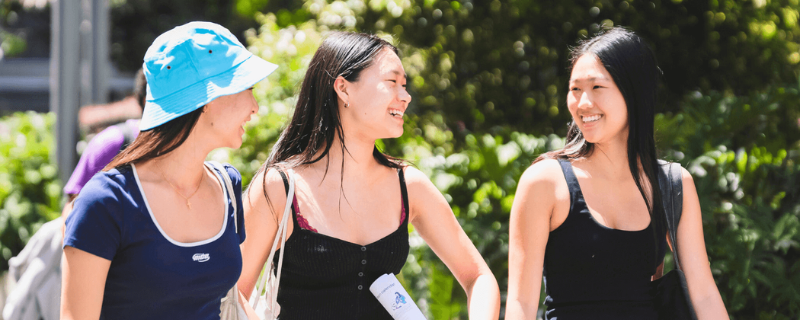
(404, 193)
(572, 181)
(229, 186)
(285, 181)
(670, 181)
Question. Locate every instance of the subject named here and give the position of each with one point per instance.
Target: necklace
(188, 205)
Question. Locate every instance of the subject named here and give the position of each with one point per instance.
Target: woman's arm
(261, 224)
(694, 260)
(83, 284)
(434, 220)
(529, 230)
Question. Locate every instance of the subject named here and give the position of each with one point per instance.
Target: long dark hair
(157, 141)
(634, 69)
(316, 121)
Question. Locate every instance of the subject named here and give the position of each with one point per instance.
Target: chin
(235, 144)
(592, 138)
(396, 134)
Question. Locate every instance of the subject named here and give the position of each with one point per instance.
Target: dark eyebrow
(395, 72)
(592, 79)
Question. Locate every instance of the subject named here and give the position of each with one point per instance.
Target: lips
(396, 113)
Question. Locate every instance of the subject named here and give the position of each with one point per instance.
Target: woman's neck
(612, 158)
(357, 157)
(184, 166)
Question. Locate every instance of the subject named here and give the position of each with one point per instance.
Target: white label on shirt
(201, 257)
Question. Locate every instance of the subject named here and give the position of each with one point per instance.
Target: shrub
(751, 216)
(30, 191)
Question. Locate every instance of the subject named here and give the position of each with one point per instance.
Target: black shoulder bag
(672, 295)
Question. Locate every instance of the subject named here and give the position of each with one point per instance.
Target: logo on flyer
(201, 257)
(399, 301)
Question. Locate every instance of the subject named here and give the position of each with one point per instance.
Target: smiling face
(224, 118)
(596, 104)
(373, 106)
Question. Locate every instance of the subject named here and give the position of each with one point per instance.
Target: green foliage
(751, 217)
(441, 304)
(760, 119)
(138, 22)
(30, 192)
(11, 44)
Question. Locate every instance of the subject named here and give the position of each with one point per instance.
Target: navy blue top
(153, 276)
(595, 272)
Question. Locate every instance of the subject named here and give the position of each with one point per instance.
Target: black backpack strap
(670, 181)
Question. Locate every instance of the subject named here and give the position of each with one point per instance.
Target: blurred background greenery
(488, 80)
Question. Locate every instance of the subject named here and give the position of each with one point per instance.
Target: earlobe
(340, 86)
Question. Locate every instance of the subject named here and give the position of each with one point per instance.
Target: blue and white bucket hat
(193, 64)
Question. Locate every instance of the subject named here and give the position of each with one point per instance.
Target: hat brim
(236, 79)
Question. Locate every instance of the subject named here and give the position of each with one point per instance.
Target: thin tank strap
(294, 199)
(572, 181)
(404, 192)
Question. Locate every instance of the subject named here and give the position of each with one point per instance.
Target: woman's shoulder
(413, 175)
(231, 171)
(114, 180)
(106, 191)
(417, 180)
(547, 171)
(270, 179)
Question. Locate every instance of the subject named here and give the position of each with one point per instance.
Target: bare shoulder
(422, 194)
(542, 191)
(266, 191)
(686, 177)
(545, 173)
(416, 178)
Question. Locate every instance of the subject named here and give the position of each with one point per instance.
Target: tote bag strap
(280, 235)
(229, 187)
(670, 181)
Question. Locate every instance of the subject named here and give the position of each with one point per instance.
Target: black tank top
(595, 272)
(328, 278)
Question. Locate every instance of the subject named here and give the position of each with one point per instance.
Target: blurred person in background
(37, 292)
(589, 218)
(105, 146)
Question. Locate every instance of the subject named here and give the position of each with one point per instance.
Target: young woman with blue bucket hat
(156, 234)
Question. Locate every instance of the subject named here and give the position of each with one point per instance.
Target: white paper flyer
(395, 299)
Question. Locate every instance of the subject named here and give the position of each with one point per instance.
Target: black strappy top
(595, 272)
(328, 278)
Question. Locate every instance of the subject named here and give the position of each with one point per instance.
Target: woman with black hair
(353, 204)
(587, 218)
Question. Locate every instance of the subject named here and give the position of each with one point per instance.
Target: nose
(403, 95)
(253, 104)
(585, 101)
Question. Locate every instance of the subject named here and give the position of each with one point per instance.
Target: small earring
(346, 104)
